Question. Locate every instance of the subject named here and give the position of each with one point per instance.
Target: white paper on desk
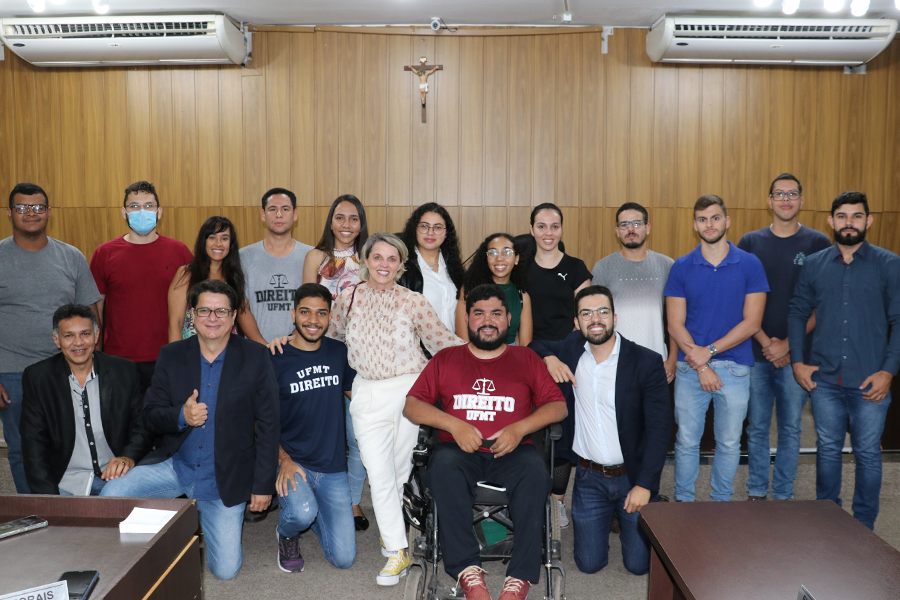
(50, 591)
(146, 520)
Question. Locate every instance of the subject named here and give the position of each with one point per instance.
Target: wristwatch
(712, 350)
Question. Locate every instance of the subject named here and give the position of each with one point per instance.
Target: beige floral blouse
(382, 331)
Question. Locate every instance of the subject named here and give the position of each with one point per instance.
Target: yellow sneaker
(396, 567)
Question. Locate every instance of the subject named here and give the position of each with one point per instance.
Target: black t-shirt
(552, 294)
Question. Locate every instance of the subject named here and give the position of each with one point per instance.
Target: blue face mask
(142, 221)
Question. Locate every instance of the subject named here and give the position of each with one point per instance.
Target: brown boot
(514, 589)
(471, 581)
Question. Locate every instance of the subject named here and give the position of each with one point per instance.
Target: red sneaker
(471, 580)
(514, 589)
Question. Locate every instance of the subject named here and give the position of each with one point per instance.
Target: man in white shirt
(623, 423)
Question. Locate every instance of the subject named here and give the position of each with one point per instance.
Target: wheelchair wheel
(415, 583)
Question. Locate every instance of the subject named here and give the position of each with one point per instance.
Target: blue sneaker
(289, 558)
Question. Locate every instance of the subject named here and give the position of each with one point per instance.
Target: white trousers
(386, 440)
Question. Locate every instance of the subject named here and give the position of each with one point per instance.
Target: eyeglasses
(438, 229)
(783, 195)
(624, 225)
(37, 209)
(204, 312)
(586, 313)
(494, 253)
(134, 206)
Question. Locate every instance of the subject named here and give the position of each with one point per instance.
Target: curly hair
(479, 272)
(198, 269)
(450, 245)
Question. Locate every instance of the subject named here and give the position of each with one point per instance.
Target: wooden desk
(83, 534)
(765, 550)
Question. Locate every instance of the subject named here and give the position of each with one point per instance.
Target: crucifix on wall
(423, 71)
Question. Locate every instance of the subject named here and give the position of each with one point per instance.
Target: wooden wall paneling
(544, 138)
(803, 133)
(137, 85)
(592, 121)
(375, 98)
(350, 99)
(278, 113)
(496, 218)
(7, 126)
(93, 143)
(824, 185)
(889, 223)
(49, 175)
(496, 121)
(683, 238)
(231, 137)
(209, 176)
(852, 131)
(687, 148)
(375, 215)
(571, 236)
(591, 223)
(307, 229)
(401, 85)
(782, 126)
(161, 130)
(471, 121)
(518, 219)
(25, 108)
(422, 135)
(875, 136)
(303, 118)
(71, 138)
(117, 144)
(616, 136)
(892, 126)
(185, 143)
(734, 143)
(661, 238)
(664, 147)
(642, 121)
(183, 222)
(254, 93)
(327, 117)
(470, 227)
(569, 119)
(446, 116)
(398, 215)
(759, 139)
(712, 133)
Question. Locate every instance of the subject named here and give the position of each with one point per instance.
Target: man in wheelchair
(493, 396)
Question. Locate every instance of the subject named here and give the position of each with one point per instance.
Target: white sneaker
(563, 518)
(396, 567)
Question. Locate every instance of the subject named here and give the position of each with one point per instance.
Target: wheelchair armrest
(424, 446)
(555, 431)
(425, 434)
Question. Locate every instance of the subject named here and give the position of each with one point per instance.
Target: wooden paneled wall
(513, 121)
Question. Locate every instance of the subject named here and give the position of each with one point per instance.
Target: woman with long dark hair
(434, 267)
(497, 261)
(216, 256)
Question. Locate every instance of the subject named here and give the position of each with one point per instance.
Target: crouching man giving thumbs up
(208, 393)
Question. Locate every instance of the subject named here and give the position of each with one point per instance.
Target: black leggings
(562, 470)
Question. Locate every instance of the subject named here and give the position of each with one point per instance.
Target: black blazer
(248, 396)
(48, 417)
(643, 406)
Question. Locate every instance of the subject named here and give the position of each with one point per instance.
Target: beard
(487, 345)
(306, 337)
(598, 339)
(632, 244)
(849, 238)
(714, 240)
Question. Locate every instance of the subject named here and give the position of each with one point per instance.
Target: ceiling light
(57, 2)
(37, 5)
(859, 7)
(101, 6)
(789, 7)
(762, 3)
(834, 5)
(897, 4)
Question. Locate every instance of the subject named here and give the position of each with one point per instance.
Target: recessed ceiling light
(37, 5)
(789, 7)
(762, 3)
(859, 7)
(834, 5)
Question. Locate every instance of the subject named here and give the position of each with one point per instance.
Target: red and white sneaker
(471, 581)
(514, 589)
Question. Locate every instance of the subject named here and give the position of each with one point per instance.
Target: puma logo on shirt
(563, 276)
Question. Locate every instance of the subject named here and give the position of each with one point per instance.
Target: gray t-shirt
(32, 286)
(271, 283)
(637, 289)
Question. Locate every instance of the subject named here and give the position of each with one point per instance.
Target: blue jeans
(356, 472)
(832, 407)
(769, 386)
(221, 524)
(97, 486)
(323, 503)
(691, 403)
(10, 418)
(594, 500)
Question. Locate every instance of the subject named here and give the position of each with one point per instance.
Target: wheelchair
(423, 581)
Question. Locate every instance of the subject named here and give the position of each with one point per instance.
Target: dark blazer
(48, 417)
(248, 397)
(412, 277)
(643, 406)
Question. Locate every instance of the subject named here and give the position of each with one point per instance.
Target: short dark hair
(71, 311)
(633, 206)
(786, 177)
(140, 186)
(275, 192)
(27, 189)
(312, 290)
(595, 290)
(212, 286)
(484, 292)
(704, 202)
(546, 206)
(850, 198)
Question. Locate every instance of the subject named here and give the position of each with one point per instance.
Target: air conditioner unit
(818, 42)
(125, 40)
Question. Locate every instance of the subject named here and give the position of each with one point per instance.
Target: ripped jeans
(323, 503)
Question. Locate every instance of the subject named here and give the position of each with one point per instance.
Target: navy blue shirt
(311, 388)
(854, 303)
(715, 296)
(782, 259)
(195, 461)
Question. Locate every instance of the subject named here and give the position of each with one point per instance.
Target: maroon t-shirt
(487, 394)
(135, 279)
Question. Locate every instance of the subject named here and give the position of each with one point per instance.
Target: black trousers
(145, 374)
(452, 475)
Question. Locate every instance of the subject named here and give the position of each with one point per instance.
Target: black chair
(421, 514)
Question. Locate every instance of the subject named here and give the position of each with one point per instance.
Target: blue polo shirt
(195, 461)
(715, 296)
